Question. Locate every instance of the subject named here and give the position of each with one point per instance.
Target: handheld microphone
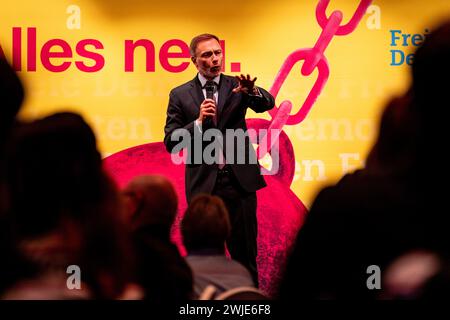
(210, 88)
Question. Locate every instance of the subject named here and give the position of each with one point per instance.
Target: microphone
(210, 88)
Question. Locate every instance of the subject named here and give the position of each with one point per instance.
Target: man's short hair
(158, 203)
(206, 224)
(196, 40)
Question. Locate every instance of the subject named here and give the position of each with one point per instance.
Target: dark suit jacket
(183, 110)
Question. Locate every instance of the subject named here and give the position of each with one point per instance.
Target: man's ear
(194, 60)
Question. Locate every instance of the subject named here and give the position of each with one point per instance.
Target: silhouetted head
(11, 92)
(11, 98)
(430, 70)
(55, 169)
(151, 201)
(206, 224)
(394, 149)
(58, 188)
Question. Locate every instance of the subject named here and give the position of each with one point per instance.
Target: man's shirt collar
(203, 80)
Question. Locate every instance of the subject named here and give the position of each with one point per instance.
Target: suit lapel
(225, 91)
(224, 94)
(196, 92)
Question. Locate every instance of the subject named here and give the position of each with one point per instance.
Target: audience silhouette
(205, 228)
(151, 209)
(64, 210)
(392, 207)
(11, 98)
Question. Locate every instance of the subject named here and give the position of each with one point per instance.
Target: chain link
(313, 58)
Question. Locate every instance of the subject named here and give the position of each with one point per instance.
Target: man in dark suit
(207, 112)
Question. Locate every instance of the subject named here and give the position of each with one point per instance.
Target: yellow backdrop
(128, 108)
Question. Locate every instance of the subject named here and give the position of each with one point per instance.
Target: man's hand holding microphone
(208, 106)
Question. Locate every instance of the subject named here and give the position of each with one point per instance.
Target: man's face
(208, 58)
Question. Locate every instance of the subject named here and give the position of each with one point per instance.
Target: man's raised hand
(246, 85)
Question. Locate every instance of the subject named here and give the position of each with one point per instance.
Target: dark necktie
(211, 88)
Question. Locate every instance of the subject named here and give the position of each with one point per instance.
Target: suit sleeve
(177, 129)
(261, 103)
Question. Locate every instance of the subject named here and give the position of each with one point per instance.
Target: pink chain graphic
(313, 58)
